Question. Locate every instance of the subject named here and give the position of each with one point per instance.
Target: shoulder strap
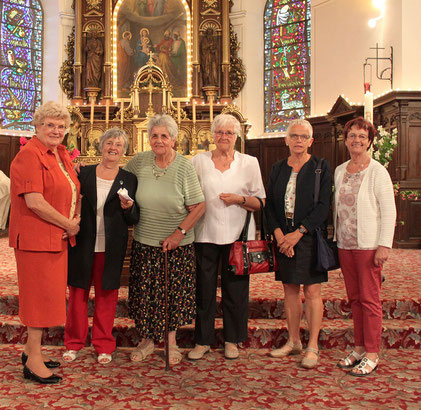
(318, 172)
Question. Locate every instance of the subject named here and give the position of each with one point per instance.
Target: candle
(107, 112)
(211, 108)
(136, 99)
(368, 106)
(194, 111)
(178, 113)
(122, 114)
(92, 111)
(164, 99)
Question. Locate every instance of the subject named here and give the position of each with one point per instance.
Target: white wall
(58, 23)
(341, 41)
(247, 19)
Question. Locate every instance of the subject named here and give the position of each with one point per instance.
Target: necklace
(360, 167)
(160, 172)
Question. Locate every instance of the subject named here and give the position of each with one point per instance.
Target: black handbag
(255, 256)
(327, 249)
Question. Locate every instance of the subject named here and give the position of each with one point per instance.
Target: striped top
(162, 200)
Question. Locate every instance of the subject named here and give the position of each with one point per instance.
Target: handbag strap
(318, 172)
(244, 233)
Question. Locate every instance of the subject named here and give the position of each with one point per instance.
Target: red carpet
(254, 381)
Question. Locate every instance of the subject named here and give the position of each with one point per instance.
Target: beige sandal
(287, 349)
(175, 355)
(310, 363)
(141, 353)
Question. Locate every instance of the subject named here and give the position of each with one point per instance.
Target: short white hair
(163, 121)
(222, 120)
(303, 123)
(113, 133)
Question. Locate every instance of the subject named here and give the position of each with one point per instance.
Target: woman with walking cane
(171, 202)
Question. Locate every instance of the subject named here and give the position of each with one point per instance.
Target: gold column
(225, 91)
(78, 51)
(107, 56)
(195, 62)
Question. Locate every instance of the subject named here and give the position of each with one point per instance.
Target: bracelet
(244, 201)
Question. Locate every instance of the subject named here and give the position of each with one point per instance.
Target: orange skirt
(42, 278)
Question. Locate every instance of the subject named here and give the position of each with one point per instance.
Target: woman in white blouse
(230, 181)
(364, 219)
(98, 256)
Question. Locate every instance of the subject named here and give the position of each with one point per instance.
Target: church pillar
(78, 51)
(107, 60)
(195, 62)
(225, 83)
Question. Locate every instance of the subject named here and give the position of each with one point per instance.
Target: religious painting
(154, 29)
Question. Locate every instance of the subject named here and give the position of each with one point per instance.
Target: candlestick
(178, 113)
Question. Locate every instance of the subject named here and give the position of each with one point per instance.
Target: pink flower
(74, 154)
(23, 140)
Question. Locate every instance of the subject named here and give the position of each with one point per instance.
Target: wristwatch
(302, 230)
(183, 231)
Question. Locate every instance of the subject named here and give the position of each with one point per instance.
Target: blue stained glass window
(287, 62)
(20, 62)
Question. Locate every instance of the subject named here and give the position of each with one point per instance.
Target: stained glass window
(287, 62)
(21, 62)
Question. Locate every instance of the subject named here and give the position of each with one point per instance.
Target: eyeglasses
(296, 137)
(51, 127)
(227, 133)
(361, 137)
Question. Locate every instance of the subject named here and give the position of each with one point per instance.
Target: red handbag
(258, 256)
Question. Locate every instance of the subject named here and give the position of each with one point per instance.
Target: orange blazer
(35, 169)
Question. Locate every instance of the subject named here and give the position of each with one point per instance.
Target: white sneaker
(198, 352)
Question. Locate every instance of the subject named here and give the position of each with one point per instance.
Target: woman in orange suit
(43, 219)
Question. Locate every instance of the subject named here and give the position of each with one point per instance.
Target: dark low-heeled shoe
(28, 374)
(49, 365)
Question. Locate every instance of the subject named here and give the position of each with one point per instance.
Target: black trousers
(235, 296)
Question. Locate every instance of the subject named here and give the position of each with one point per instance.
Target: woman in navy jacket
(101, 247)
(293, 217)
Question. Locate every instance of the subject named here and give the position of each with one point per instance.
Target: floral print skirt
(147, 289)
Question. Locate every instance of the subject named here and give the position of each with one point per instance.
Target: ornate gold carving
(211, 3)
(238, 74)
(94, 4)
(66, 76)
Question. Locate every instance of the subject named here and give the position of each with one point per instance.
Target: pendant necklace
(160, 172)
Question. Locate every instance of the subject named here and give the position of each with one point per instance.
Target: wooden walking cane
(167, 349)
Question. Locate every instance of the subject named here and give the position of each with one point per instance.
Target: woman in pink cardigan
(364, 217)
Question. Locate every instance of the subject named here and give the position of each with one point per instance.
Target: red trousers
(363, 282)
(76, 330)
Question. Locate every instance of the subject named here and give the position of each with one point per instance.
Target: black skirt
(301, 268)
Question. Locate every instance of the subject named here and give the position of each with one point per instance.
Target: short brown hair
(361, 123)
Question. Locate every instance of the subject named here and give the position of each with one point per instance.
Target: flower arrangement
(407, 194)
(384, 145)
(74, 153)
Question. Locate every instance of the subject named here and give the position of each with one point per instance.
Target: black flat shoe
(49, 365)
(28, 374)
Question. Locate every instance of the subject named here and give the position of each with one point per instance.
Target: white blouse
(103, 187)
(222, 224)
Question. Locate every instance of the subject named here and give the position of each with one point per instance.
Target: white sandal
(69, 355)
(104, 358)
(349, 360)
(365, 368)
